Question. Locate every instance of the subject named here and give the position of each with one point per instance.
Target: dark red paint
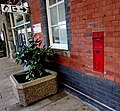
(98, 51)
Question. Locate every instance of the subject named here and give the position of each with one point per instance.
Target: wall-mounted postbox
(98, 51)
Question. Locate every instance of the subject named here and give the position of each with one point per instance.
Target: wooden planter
(35, 90)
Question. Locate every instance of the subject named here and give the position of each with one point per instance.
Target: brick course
(101, 89)
(36, 15)
(83, 17)
(87, 17)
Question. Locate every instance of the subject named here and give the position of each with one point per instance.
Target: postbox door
(98, 55)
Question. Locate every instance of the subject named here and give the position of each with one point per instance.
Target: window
(21, 27)
(57, 24)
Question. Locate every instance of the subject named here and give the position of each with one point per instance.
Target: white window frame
(23, 24)
(55, 45)
(14, 26)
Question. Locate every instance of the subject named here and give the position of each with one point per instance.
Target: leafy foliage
(34, 57)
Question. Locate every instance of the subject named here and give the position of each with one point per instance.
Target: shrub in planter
(37, 82)
(35, 58)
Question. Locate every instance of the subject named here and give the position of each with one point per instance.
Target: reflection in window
(63, 34)
(53, 13)
(22, 27)
(57, 23)
(55, 32)
(51, 2)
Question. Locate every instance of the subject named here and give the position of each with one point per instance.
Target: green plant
(35, 57)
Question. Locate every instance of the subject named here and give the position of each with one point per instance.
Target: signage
(37, 28)
(14, 8)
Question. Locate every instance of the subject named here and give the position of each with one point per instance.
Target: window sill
(64, 53)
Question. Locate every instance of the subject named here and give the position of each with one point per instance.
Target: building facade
(6, 34)
(86, 36)
(15, 26)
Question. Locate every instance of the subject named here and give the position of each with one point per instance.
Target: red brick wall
(87, 16)
(35, 12)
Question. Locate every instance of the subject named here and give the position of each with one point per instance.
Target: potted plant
(37, 82)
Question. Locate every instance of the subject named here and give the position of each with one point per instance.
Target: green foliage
(34, 57)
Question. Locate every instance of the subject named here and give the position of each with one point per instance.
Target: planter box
(35, 90)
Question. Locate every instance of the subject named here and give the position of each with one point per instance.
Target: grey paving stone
(7, 91)
(5, 84)
(3, 76)
(6, 88)
(7, 101)
(61, 94)
(12, 66)
(10, 71)
(33, 107)
(82, 109)
(3, 81)
(58, 102)
(3, 110)
(64, 104)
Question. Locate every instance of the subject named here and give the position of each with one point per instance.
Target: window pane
(18, 19)
(29, 32)
(21, 39)
(59, 0)
(63, 34)
(51, 2)
(53, 14)
(27, 17)
(55, 33)
(61, 9)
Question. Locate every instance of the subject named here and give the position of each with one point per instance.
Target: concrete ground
(59, 102)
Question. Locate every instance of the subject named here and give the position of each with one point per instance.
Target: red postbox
(98, 51)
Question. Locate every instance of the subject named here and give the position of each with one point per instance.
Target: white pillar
(13, 33)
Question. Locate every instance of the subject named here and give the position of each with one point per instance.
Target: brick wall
(100, 89)
(36, 15)
(35, 11)
(44, 22)
(83, 18)
(96, 16)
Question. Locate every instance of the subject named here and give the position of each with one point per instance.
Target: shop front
(21, 26)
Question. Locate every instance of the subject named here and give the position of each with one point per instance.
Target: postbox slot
(97, 51)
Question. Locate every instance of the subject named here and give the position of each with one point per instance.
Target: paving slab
(61, 94)
(7, 101)
(3, 76)
(33, 107)
(5, 84)
(59, 102)
(7, 92)
(64, 104)
(3, 110)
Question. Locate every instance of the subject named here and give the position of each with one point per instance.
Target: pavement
(62, 101)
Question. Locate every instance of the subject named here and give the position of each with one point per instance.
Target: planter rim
(33, 82)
